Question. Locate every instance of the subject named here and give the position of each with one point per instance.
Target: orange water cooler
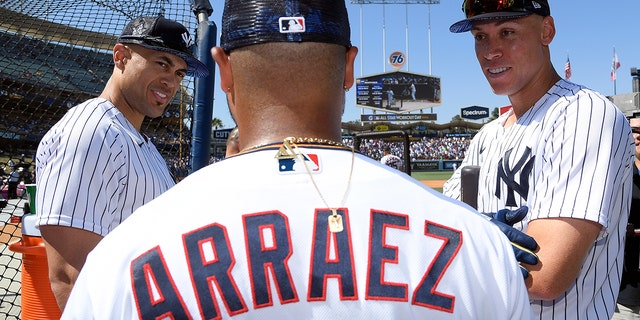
(38, 301)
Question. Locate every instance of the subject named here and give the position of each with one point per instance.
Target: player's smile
(497, 70)
(500, 78)
(161, 96)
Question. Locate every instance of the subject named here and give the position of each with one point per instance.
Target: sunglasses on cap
(472, 8)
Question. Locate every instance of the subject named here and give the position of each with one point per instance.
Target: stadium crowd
(426, 148)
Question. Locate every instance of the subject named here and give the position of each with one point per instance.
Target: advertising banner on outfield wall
(435, 165)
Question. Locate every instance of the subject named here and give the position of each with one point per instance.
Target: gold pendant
(289, 150)
(335, 222)
(286, 151)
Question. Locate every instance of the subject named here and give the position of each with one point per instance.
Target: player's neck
(261, 135)
(523, 100)
(113, 95)
(272, 124)
(297, 141)
(510, 120)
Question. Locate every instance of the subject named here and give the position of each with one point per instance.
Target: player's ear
(224, 68)
(352, 52)
(548, 30)
(120, 54)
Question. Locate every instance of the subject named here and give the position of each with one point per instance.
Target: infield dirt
(434, 183)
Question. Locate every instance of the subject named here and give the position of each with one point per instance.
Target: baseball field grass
(433, 179)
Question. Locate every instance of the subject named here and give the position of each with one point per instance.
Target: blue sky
(586, 33)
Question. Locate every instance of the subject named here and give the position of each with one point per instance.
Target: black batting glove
(523, 245)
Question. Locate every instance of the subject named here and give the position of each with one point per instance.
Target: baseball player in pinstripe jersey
(628, 304)
(562, 150)
(296, 226)
(94, 167)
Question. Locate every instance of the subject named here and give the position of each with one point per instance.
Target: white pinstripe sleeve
(79, 170)
(587, 161)
(93, 169)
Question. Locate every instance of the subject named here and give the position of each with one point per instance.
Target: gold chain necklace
(302, 140)
(314, 141)
(290, 150)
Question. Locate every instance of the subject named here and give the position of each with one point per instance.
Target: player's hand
(523, 245)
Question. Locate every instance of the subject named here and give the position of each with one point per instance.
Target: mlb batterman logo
(292, 24)
(299, 163)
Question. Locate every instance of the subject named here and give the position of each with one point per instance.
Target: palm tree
(216, 123)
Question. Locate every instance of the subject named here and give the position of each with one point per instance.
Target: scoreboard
(369, 93)
(398, 92)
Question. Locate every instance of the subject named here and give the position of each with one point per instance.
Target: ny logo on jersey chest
(507, 173)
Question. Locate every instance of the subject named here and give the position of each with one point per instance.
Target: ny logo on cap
(187, 39)
(292, 24)
(139, 30)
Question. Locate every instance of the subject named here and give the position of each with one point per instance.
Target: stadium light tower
(405, 2)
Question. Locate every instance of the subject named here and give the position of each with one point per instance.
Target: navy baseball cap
(476, 10)
(159, 33)
(249, 22)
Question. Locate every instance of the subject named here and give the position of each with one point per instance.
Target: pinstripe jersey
(569, 156)
(252, 242)
(93, 169)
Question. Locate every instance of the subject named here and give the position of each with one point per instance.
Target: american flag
(615, 65)
(567, 69)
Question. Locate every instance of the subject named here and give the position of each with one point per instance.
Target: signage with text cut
(399, 117)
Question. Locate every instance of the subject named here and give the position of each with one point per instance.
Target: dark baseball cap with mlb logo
(249, 22)
(478, 10)
(159, 33)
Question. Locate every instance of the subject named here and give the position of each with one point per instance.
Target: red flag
(567, 70)
(615, 65)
